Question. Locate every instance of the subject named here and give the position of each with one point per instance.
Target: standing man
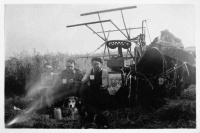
(95, 84)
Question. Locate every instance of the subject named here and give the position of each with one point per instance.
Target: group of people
(91, 87)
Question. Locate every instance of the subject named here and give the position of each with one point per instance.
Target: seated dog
(90, 115)
(69, 106)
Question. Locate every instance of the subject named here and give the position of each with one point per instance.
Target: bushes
(24, 70)
(182, 109)
(189, 93)
(178, 113)
(178, 109)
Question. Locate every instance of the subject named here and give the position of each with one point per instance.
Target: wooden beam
(120, 29)
(109, 10)
(95, 22)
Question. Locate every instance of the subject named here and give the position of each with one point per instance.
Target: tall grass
(176, 113)
(25, 69)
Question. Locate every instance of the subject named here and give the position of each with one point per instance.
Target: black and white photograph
(100, 66)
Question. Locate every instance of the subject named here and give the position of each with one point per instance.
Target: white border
(2, 3)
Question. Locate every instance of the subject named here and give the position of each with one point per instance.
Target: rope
(96, 49)
(129, 96)
(136, 96)
(186, 68)
(148, 32)
(174, 78)
(146, 79)
(128, 77)
(169, 70)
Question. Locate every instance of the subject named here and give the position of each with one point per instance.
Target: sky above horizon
(43, 26)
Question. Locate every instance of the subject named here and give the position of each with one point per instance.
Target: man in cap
(95, 84)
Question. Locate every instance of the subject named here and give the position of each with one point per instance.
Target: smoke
(34, 93)
(44, 96)
(25, 114)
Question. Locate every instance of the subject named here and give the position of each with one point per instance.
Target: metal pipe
(104, 52)
(119, 30)
(96, 33)
(142, 28)
(124, 24)
(102, 27)
(106, 45)
(148, 32)
(97, 49)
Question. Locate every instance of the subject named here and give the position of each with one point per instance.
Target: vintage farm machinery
(149, 72)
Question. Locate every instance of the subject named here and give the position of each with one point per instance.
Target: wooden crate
(116, 63)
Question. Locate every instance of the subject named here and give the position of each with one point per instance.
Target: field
(24, 70)
(177, 113)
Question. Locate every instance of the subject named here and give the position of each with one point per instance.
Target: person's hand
(82, 82)
(70, 80)
(102, 87)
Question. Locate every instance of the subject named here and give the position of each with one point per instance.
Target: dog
(69, 105)
(90, 115)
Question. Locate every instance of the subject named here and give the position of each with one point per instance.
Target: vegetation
(177, 113)
(24, 70)
(169, 37)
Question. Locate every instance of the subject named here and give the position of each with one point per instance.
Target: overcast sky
(43, 27)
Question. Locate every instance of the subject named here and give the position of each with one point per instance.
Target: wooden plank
(109, 10)
(116, 63)
(114, 72)
(95, 22)
(120, 29)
